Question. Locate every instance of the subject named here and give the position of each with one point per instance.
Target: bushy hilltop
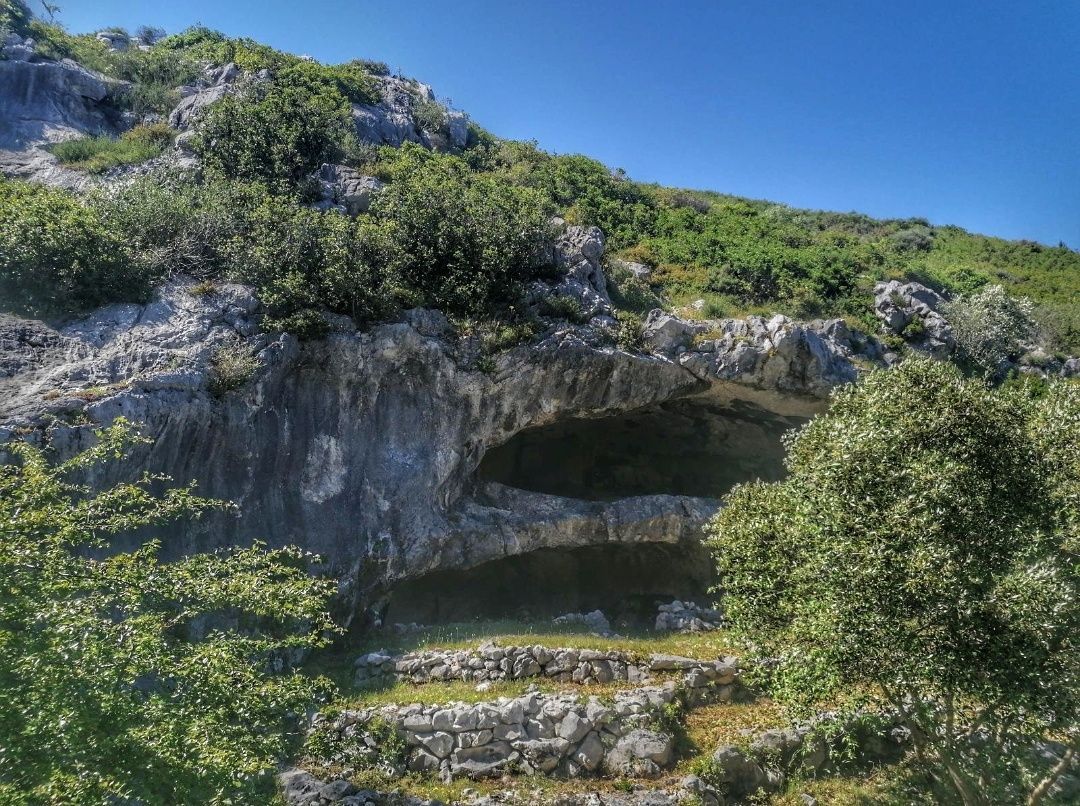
(231, 133)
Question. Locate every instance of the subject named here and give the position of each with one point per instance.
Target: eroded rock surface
(363, 447)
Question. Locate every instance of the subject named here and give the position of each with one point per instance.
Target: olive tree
(921, 558)
(127, 679)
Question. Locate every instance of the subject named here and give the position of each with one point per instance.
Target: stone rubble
(680, 616)
(491, 662)
(595, 622)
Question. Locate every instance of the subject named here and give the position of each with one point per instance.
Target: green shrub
(232, 367)
(558, 306)
(466, 243)
(57, 254)
(431, 116)
(990, 327)
(106, 695)
(277, 131)
(15, 16)
(630, 292)
(99, 154)
(628, 333)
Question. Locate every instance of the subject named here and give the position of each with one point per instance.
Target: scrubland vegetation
(736, 255)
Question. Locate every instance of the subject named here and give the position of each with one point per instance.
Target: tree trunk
(1043, 788)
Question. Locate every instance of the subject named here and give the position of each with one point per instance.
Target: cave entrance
(626, 581)
(700, 446)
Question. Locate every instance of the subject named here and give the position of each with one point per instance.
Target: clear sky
(962, 111)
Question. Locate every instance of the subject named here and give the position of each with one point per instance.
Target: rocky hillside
(478, 380)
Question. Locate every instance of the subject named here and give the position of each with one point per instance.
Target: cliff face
(364, 446)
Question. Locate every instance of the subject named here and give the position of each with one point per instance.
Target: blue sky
(963, 111)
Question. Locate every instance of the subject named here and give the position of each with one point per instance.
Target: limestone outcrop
(363, 447)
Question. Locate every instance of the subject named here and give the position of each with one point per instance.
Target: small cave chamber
(626, 581)
(698, 446)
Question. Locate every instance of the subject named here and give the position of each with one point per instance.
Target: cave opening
(625, 581)
(698, 446)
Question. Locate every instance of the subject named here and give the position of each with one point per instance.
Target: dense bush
(277, 131)
(15, 16)
(58, 254)
(990, 327)
(106, 695)
(99, 154)
(921, 557)
(466, 242)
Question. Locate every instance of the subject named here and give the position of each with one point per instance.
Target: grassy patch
(706, 645)
(98, 154)
(709, 726)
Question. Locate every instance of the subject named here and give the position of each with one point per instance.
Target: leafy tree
(107, 692)
(922, 557)
(15, 16)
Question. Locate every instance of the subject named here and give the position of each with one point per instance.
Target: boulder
(345, 189)
(640, 752)
(42, 102)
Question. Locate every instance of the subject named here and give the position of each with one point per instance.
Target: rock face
(363, 447)
(393, 120)
(46, 101)
(215, 84)
(914, 311)
(345, 189)
(777, 354)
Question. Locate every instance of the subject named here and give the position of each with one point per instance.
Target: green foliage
(558, 306)
(466, 243)
(154, 74)
(353, 754)
(58, 254)
(431, 116)
(277, 131)
(990, 327)
(15, 16)
(107, 693)
(628, 334)
(921, 557)
(629, 292)
(99, 154)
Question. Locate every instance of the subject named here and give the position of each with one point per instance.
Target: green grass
(706, 645)
(98, 154)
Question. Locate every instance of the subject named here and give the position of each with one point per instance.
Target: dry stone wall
(490, 662)
(567, 735)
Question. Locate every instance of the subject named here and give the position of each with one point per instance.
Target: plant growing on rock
(921, 558)
(231, 368)
(125, 678)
